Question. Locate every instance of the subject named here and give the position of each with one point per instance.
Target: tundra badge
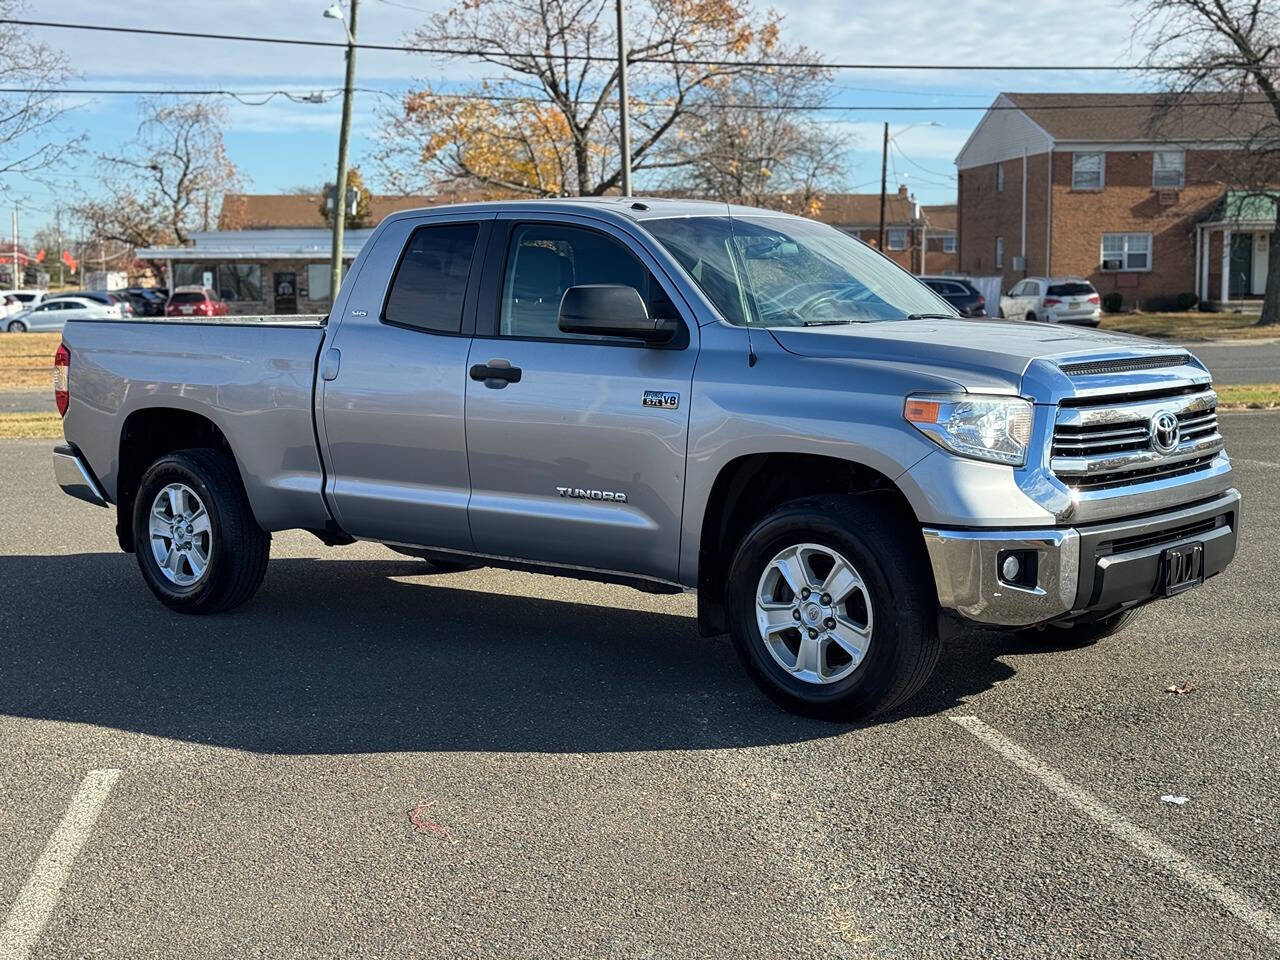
(577, 493)
(661, 398)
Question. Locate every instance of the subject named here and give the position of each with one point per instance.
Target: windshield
(782, 271)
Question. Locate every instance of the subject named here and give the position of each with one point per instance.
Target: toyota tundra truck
(674, 396)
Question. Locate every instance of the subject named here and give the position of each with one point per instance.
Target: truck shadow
(337, 656)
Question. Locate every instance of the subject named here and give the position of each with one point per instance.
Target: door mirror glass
(611, 310)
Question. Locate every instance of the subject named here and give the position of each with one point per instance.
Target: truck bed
(252, 377)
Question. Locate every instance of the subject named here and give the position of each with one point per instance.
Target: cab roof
(635, 208)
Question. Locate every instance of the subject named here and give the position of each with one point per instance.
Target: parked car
(27, 298)
(960, 293)
(147, 301)
(107, 298)
(612, 390)
(12, 305)
(1053, 300)
(195, 302)
(53, 314)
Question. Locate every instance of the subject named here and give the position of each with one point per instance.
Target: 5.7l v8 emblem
(661, 398)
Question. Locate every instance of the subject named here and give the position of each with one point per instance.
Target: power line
(328, 93)
(583, 57)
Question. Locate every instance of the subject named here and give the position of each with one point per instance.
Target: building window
(230, 281)
(1088, 171)
(999, 253)
(897, 238)
(999, 178)
(949, 244)
(239, 281)
(1168, 169)
(318, 281)
(1126, 251)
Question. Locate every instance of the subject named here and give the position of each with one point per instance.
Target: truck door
(576, 445)
(393, 380)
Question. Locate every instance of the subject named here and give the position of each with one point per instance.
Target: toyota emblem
(1164, 432)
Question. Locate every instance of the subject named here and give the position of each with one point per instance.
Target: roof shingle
(1142, 116)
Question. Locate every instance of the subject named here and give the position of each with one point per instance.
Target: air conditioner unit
(1019, 263)
(1112, 264)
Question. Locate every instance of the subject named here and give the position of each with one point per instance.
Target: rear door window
(430, 284)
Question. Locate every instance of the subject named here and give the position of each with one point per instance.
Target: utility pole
(623, 109)
(62, 267)
(14, 258)
(344, 135)
(884, 172)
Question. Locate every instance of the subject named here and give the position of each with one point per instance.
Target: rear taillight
(1051, 302)
(982, 302)
(61, 364)
(1095, 299)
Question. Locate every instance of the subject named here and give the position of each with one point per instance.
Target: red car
(195, 302)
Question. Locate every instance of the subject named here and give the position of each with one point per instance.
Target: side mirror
(611, 310)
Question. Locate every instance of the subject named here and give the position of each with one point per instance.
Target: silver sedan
(52, 315)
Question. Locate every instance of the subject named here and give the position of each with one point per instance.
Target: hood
(975, 353)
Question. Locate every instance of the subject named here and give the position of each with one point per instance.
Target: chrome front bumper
(1077, 569)
(74, 476)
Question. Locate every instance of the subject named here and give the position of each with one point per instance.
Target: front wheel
(17, 326)
(832, 607)
(197, 543)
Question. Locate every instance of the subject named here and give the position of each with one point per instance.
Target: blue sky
(284, 144)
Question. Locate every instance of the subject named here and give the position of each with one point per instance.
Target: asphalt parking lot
(371, 760)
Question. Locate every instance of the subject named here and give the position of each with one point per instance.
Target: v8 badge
(664, 399)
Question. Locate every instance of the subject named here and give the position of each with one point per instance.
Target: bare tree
(30, 140)
(1220, 60)
(759, 147)
(547, 125)
(168, 181)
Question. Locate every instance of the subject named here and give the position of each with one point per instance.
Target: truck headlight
(996, 429)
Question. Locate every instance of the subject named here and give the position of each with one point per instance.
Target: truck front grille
(1108, 442)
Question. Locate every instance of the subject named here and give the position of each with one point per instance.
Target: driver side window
(546, 259)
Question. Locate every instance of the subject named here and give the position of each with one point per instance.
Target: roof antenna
(751, 350)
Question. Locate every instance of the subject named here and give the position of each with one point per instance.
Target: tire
(1030, 317)
(233, 547)
(896, 602)
(1087, 634)
(16, 326)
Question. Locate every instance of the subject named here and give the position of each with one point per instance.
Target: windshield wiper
(932, 316)
(828, 323)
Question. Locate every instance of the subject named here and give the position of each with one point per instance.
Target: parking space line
(1256, 463)
(1145, 842)
(35, 903)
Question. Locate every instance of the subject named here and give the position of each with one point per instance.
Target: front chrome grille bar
(1109, 445)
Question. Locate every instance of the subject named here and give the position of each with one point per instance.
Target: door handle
(496, 373)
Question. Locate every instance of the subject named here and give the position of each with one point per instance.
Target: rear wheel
(832, 607)
(17, 326)
(1031, 317)
(196, 541)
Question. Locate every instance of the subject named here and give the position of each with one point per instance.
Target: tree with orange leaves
(547, 126)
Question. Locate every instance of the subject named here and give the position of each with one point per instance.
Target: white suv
(1053, 300)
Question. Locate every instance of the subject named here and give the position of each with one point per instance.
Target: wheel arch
(148, 434)
(750, 486)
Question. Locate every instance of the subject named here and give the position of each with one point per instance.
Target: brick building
(1091, 185)
(941, 244)
(858, 214)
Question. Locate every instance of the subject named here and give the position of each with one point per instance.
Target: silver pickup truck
(670, 395)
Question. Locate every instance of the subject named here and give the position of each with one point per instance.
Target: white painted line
(35, 903)
(1145, 842)
(1256, 463)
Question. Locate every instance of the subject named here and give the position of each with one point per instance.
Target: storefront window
(231, 281)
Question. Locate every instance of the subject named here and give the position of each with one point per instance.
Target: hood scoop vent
(1090, 368)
